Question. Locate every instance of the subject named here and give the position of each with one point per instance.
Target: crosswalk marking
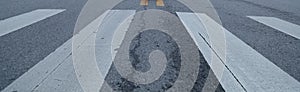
(194, 27)
(20, 21)
(251, 69)
(38, 73)
(106, 48)
(281, 25)
(57, 72)
(34, 76)
(95, 50)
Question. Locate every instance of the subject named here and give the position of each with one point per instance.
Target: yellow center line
(160, 3)
(144, 2)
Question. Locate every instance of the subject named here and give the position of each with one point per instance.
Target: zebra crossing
(238, 67)
(253, 71)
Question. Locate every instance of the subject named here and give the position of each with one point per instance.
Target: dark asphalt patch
(140, 49)
(171, 6)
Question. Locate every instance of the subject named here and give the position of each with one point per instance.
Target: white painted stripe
(62, 79)
(56, 72)
(20, 21)
(38, 73)
(281, 25)
(119, 35)
(111, 36)
(254, 71)
(94, 54)
(194, 27)
(96, 51)
(42, 70)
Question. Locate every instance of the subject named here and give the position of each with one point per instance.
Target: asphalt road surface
(155, 45)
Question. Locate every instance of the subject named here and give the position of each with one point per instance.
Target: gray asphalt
(282, 49)
(166, 34)
(22, 49)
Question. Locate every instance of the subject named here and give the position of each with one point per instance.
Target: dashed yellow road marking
(144, 2)
(160, 3)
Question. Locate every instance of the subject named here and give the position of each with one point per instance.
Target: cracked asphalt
(153, 30)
